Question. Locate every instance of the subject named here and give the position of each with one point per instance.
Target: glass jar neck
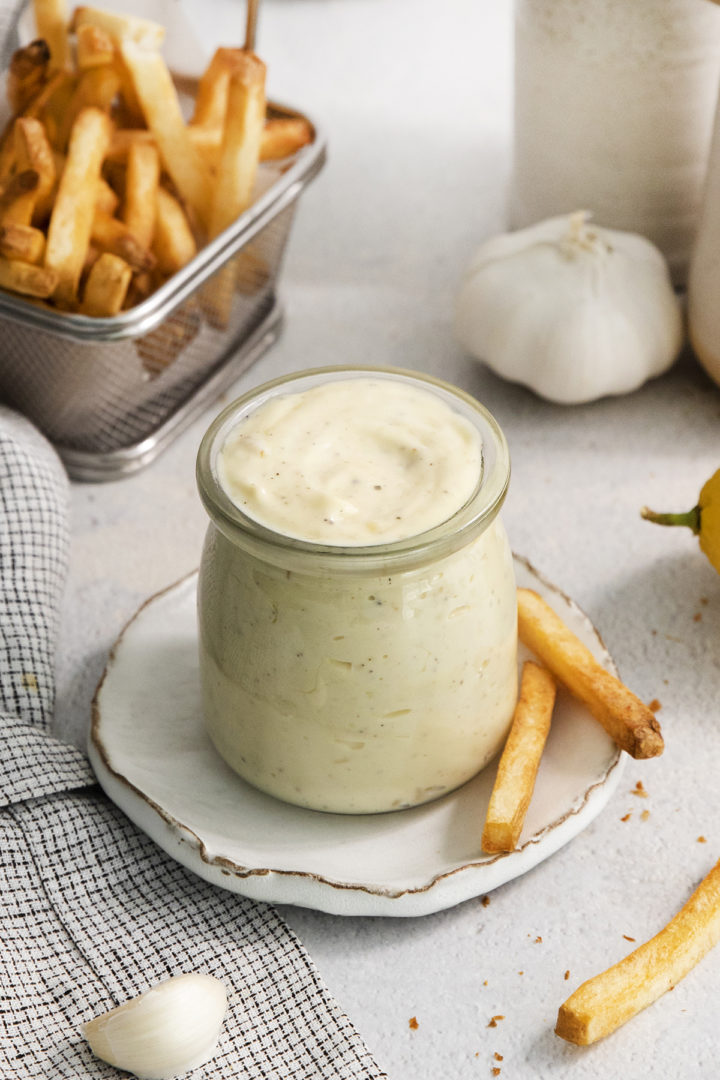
(471, 519)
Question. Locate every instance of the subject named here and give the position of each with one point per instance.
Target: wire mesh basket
(110, 393)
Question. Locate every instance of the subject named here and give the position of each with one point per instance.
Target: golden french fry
(96, 88)
(22, 242)
(51, 21)
(141, 188)
(608, 1000)
(51, 106)
(123, 138)
(120, 28)
(94, 47)
(242, 136)
(128, 111)
(626, 719)
(18, 198)
(158, 98)
(236, 171)
(27, 74)
(7, 156)
(107, 200)
(111, 235)
(106, 286)
(33, 151)
(72, 217)
(173, 242)
(283, 136)
(25, 278)
(520, 760)
(91, 257)
(141, 286)
(59, 84)
(212, 95)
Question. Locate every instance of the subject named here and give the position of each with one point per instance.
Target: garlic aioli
(382, 673)
(352, 462)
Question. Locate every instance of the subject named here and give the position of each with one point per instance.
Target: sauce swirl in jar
(357, 599)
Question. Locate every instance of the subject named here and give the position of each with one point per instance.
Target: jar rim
(473, 517)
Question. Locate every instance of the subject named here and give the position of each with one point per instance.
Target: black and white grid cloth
(91, 911)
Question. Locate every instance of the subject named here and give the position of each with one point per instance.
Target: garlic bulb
(572, 311)
(171, 1028)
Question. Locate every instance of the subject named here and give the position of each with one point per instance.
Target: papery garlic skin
(171, 1028)
(573, 311)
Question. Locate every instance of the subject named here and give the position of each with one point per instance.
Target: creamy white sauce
(357, 691)
(352, 462)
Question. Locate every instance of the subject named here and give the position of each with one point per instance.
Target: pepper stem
(691, 518)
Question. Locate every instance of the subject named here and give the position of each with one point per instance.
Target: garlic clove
(171, 1028)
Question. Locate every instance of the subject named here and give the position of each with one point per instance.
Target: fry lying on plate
(105, 189)
(630, 722)
(520, 760)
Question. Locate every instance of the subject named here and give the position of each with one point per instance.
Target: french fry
(51, 22)
(120, 28)
(129, 113)
(18, 198)
(96, 88)
(242, 136)
(212, 96)
(91, 257)
(60, 84)
(173, 243)
(520, 760)
(22, 242)
(107, 200)
(237, 169)
(106, 286)
(33, 151)
(141, 188)
(51, 106)
(124, 138)
(94, 47)
(159, 101)
(283, 136)
(72, 217)
(28, 73)
(626, 719)
(141, 286)
(7, 156)
(605, 1002)
(25, 278)
(113, 236)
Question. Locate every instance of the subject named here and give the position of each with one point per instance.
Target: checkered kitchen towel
(91, 911)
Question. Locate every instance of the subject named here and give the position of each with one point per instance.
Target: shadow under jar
(373, 673)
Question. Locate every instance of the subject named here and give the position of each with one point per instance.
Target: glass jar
(614, 104)
(358, 679)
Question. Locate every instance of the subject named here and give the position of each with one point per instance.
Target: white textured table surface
(415, 99)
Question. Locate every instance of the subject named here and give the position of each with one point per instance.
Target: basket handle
(251, 17)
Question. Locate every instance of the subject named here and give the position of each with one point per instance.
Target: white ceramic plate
(153, 758)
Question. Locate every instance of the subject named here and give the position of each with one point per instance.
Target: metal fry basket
(111, 393)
